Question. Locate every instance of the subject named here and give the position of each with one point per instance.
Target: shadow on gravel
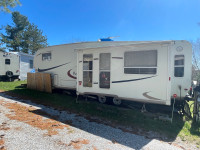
(131, 136)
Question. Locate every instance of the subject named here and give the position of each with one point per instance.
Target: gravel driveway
(25, 125)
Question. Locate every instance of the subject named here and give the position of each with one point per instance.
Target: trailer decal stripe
(70, 75)
(132, 80)
(149, 97)
(42, 70)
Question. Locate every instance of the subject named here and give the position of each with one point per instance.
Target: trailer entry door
(87, 70)
(104, 70)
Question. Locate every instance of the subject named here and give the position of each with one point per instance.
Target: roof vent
(107, 39)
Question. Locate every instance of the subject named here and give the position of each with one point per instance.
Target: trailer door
(169, 72)
(104, 70)
(87, 70)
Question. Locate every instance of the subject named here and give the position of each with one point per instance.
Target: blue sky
(66, 21)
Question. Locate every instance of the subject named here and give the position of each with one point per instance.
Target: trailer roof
(117, 44)
(21, 53)
(97, 44)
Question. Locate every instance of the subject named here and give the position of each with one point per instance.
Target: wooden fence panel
(39, 81)
(31, 81)
(47, 83)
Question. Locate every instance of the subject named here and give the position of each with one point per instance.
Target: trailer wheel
(102, 99)
(9, 74)
(117, 101)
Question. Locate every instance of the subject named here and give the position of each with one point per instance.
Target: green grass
(8, 86)
(184, 128)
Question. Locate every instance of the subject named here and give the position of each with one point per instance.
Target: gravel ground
(74, 132)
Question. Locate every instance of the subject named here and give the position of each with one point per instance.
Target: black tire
(102, 99)
(9, 74)
(117, 101)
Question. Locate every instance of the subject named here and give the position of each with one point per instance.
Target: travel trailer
(15, 65)
(25, 64)
(9, 66)
(143, 71)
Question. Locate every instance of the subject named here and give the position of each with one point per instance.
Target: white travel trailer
(144, 71)
(25, 64)
(147, 72)
(15, 65)
(9, 66)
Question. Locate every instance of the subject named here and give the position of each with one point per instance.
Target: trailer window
(46, 56)
(87, 70)
(140, 62)
(179, 65)
(104, 70)
(7, 61)
(31, 64)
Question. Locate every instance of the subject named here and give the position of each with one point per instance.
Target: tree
(23, 36)
(196, 60)
(33, 39)
(5, 4)
(14, 33)
(1, 44)
(2, 48)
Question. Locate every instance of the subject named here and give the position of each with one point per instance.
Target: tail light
(80, 82)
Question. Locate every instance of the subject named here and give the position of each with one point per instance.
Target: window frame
(47, 58)
(31, 64)
(6, 61)
(156, 67)
(83, 70)
(179, 66)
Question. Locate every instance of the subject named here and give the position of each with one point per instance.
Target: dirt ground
(25, 125)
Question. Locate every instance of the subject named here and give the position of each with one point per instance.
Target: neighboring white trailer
(15, 65)
(26, 64)
(147, 72)
(9, 66)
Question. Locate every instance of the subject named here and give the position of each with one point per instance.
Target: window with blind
(46, 56)
(179, 65)
(140, 62)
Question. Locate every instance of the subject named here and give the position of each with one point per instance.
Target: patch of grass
(186, 130)
(8, 86)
